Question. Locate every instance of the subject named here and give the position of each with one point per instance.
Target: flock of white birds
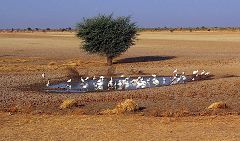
(139, 82)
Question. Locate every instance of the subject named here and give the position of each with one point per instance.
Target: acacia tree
(107, 36)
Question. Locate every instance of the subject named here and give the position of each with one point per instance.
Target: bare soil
(25, 56)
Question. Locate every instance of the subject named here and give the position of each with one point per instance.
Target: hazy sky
(146, 13)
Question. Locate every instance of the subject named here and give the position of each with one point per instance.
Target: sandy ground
(72, 127)
(25, 56)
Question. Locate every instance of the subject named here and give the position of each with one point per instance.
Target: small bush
(124, 107)
(218, 105)
(68, 103)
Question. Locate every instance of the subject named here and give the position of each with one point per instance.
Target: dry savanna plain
(177, 112)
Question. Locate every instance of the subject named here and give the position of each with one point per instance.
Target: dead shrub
(218, 105)
(68, 103)
(126, 106)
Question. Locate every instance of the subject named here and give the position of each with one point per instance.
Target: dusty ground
(25, 56)
(72, 127)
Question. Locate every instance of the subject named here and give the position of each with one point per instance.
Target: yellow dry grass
(126, 106)
(196, 50)
(78, 127)
(68, 103)
(52, 63)
(218, 105)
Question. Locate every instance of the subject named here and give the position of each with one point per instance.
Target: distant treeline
(191, 29)
(170, 29)
(29, 29)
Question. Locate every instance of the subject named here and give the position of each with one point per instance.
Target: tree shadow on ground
(143, 59)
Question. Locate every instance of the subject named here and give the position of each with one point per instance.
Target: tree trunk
(109, 61)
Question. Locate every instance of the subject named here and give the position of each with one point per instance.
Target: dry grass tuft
(52, 63)
(68, 103)
(70, 63)
(218, 105)
(21, 60)
(124, 107)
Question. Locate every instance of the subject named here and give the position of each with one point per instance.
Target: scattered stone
(218, 105)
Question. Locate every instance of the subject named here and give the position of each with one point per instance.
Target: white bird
(69, 86)
(174, 80)
(100, 83)
(86, 78)
(195, 73)
(148, 81)
(134, 82)
(85, 86)
(126, 83)
(175, 71)
(203, 72)
(70, 80)
(184, 78)
(141, 83)
(179, 79)
(100, 87)
(154, 75)
(164, 80)
(43, 75)
(122, 76)
(48, 83)
(94, 78)
(82, 80)
(155, 81)
(120, 83)
(207, 73)
(110, 83)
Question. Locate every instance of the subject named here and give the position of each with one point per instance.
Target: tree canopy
(106, 35)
